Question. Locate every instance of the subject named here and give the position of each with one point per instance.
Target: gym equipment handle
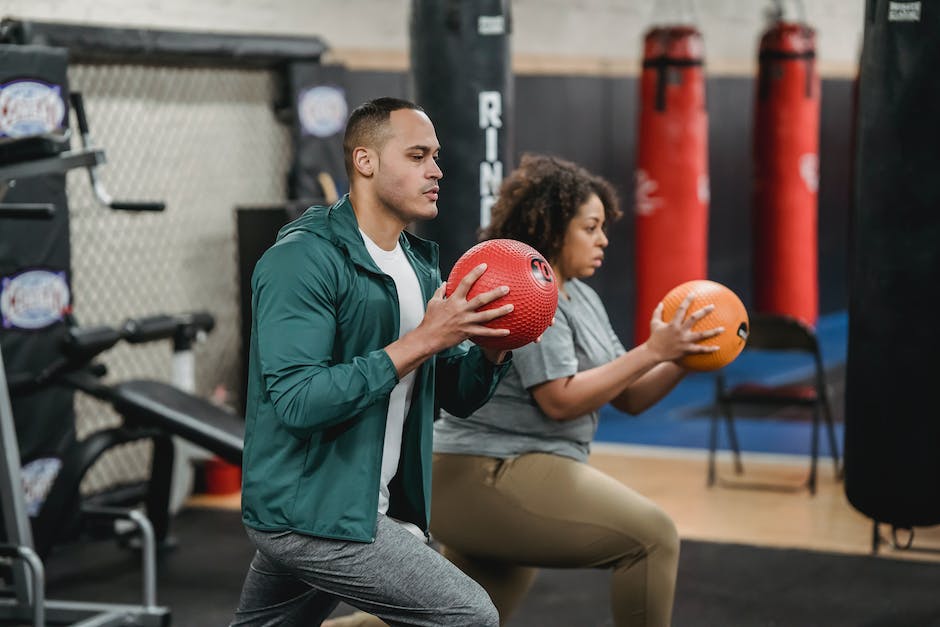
(27, 211)
(164, 326)
(87, 342)
(137, 206)
(78, 104)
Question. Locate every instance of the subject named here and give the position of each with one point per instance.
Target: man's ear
(363, 161)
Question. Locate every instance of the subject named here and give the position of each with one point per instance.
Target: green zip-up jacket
(319, 381)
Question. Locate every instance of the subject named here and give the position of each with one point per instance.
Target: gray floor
(719, 584)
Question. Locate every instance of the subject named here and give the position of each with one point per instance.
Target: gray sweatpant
(296, 579)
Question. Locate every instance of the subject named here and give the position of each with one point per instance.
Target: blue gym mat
(681, 419)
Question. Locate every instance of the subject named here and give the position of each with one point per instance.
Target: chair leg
(833, 444)
(712, 445)
(814, 454)
(733, 438)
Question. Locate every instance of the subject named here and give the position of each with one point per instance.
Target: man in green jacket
(352, 345)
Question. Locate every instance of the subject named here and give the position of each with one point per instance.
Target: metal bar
(39, 584)
(78, 105)
(38, 577)
(148, 547)
(15, 519)
(52, 165)
(135, 45)
(27, 210)
(84, 614)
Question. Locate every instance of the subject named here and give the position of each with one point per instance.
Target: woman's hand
(671, 340)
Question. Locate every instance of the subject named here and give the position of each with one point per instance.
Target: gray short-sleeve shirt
(511, 423)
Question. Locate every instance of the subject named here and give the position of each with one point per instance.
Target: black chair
(776, 333)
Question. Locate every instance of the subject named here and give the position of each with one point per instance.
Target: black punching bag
(461, 73)
(35, 256)
(892, 432)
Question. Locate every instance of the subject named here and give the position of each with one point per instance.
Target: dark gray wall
(592, 121)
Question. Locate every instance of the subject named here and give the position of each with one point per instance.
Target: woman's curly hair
(540, 197)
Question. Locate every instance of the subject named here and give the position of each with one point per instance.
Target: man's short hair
(368, 126)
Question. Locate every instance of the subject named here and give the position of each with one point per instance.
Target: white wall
(594, 36)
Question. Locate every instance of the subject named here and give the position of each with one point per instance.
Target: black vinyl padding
(158, 404)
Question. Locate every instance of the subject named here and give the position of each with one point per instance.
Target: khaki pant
(499, 520)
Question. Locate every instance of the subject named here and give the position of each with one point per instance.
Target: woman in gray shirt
(511, 489)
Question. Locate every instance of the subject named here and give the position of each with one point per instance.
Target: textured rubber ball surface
(533, 290)
(729, 313)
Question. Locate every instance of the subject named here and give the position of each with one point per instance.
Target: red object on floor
(222, 477)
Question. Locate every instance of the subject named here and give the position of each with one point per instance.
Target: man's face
(406, 176)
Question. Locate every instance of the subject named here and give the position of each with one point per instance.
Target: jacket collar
(342, 228)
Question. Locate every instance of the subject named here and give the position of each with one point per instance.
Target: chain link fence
(203, 140)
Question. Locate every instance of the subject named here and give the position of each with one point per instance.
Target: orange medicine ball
(729, 313)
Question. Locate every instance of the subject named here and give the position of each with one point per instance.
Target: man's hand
(449, 321)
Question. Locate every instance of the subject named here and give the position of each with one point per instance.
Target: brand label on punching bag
(491, 168)
(809, 171)
(34, 299)
(645, 194)
(703, 189)
(491, 25)
(904, 11)
(30, 108)
(322, 110)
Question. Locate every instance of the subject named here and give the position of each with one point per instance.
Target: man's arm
(448, 322)
(295, 318)
(296, 330)
(467, 378)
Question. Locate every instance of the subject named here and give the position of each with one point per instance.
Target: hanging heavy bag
(672, 169)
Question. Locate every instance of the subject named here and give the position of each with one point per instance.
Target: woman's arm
(650, 388)
(570, 397)
(581, 393)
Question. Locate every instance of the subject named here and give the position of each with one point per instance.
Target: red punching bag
(786, 173)
(672, 169)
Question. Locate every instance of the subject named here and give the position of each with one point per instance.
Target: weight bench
(162, 406)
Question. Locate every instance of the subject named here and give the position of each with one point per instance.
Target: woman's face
(582, 251)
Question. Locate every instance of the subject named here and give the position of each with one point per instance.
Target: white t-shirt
(395, 264)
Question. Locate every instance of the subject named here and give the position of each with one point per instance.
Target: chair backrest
(781, 332)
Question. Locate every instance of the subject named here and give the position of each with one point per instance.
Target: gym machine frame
(28, 601)
(28, 574)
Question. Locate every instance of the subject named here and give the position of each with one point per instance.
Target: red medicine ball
(533, 290)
